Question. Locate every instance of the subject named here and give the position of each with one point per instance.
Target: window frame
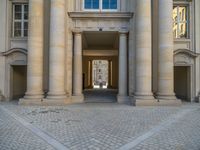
(188, 18)
(100, 9)
(22, 20)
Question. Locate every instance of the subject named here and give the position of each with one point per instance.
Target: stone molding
(104, 15)
(13, 50)
(184, 57)
(187, 52)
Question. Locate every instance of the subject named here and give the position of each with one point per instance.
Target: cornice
(113, 15)
(13, 50)
(187, 52)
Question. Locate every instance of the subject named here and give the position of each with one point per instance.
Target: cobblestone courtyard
(99, 127)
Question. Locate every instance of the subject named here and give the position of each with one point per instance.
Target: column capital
(77, 31)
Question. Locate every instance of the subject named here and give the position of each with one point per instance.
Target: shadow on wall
(1, 96)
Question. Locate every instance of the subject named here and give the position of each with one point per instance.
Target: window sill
(182, 40)
(19, 38)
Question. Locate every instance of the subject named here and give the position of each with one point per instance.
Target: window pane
(113, 4)
(18, 8)
(105, 4)
(88, 4)
(180, 24)
(25, 33)
(91, 4)
(175, 30)
(17, 33)
(95, 4)
(20, 20)
(25, 16)
(183, 13)
(25, 25)
(18, 16)
(175, 10)
(25, 8)
(183, 30)
(17, 26)
(109, 4)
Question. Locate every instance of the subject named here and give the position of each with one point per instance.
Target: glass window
(20, 20)
(91, 4)
(181, 23)
(100, 4)
(109, 4)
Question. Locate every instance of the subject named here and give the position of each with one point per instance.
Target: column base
(123, 99)
(31, 99)
(144, 100)
(78, 98)
(26, 101)
(168, 100)
(56, 96)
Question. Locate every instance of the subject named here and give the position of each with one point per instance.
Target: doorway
(19, 82)
(100, 65)
(182, 82)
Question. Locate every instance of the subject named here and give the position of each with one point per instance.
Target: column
(143, 55)
(165, 54)
(57, 92)
(91, 71)
(109, 74)
(122, 96)
(77, 69)
(34, 93)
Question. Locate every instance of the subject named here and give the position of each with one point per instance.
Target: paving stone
(108, 126)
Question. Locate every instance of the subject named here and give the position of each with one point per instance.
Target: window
(91, 4)
(109, 4)
(100, 5)
(180, 21)
(20, 20)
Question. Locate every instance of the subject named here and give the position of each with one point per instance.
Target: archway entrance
(182, 82)
(100, 75)
(100, 66)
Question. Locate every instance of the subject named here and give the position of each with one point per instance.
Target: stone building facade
(152, 47)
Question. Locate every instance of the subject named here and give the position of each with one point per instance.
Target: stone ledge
(150, 102)
(175, 102)
(25, 101)
(44, 102)
(104, 15)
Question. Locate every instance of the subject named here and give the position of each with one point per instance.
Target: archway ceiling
(100, 40)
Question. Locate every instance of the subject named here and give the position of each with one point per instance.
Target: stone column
(57, 92)
(143, 55)
(165, 54)
(77, 69)
(109, 74)
(34, 93)
(122, 96)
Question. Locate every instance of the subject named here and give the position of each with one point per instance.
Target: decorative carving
(104, 21)
(16, 56)
(184, 56)
(13, 50)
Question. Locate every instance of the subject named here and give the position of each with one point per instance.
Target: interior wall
(114, 60)
(181, 82)
(19, 81)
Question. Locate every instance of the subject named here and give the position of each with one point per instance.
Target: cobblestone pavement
(99, 127)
